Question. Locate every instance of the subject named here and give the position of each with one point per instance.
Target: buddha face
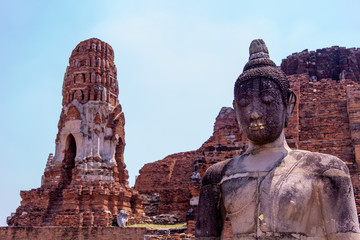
(260, 110)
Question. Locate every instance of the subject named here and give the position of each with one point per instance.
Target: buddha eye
(267, 98)
(243, 101)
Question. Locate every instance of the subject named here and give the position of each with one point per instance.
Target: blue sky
(177, 62)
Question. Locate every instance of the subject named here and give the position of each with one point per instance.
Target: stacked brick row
(336, 63)
(71, 233)
(292, 130)
(326, 119)
(324, 122)
(226, 142)
(353, 106)
(86, 182)
(177, 178)
(91, 74)
(166, 185)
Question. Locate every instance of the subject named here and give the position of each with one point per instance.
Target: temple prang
(86, 182)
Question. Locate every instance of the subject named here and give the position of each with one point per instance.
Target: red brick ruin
(326, 119)
(336, 63)
(85, 182)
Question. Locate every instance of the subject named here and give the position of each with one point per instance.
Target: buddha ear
(290, 107)
(236, 110)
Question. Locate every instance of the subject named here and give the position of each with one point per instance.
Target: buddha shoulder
(319, 163)
(214, 173)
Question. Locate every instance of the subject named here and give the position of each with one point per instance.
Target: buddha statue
(272, 191)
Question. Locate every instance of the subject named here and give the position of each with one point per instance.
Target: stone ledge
(67, 233)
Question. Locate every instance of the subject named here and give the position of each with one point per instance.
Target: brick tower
(85, 182)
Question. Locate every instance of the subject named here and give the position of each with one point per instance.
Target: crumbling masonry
(326, 119)
(85, 182)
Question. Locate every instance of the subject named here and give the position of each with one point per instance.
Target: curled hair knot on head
(261, 66)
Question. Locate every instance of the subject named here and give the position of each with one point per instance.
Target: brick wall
(326, 119)
(335, 63)
(172, 178)
(67, 233)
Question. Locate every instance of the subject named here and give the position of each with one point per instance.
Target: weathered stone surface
(85, 182)
(336, 63)
(122, 218)
(164, 219)
(272, 191)
(168, 185)
(170, 178)
(325, 120)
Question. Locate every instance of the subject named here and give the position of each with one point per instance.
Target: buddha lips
(256, 126)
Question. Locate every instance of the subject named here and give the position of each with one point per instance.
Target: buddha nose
(255, 115)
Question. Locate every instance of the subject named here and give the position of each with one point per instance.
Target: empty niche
(95, 94)
(69, 159)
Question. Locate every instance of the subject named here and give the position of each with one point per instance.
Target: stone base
(65, 233)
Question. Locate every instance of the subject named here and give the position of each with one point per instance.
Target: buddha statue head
(263, 99)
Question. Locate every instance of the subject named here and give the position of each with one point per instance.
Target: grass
(159, 226)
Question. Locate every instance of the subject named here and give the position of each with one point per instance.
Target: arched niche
(79, 95)
(73, 113)
(69, 160)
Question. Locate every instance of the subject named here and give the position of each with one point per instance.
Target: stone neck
(265, 157)
(279, 145)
